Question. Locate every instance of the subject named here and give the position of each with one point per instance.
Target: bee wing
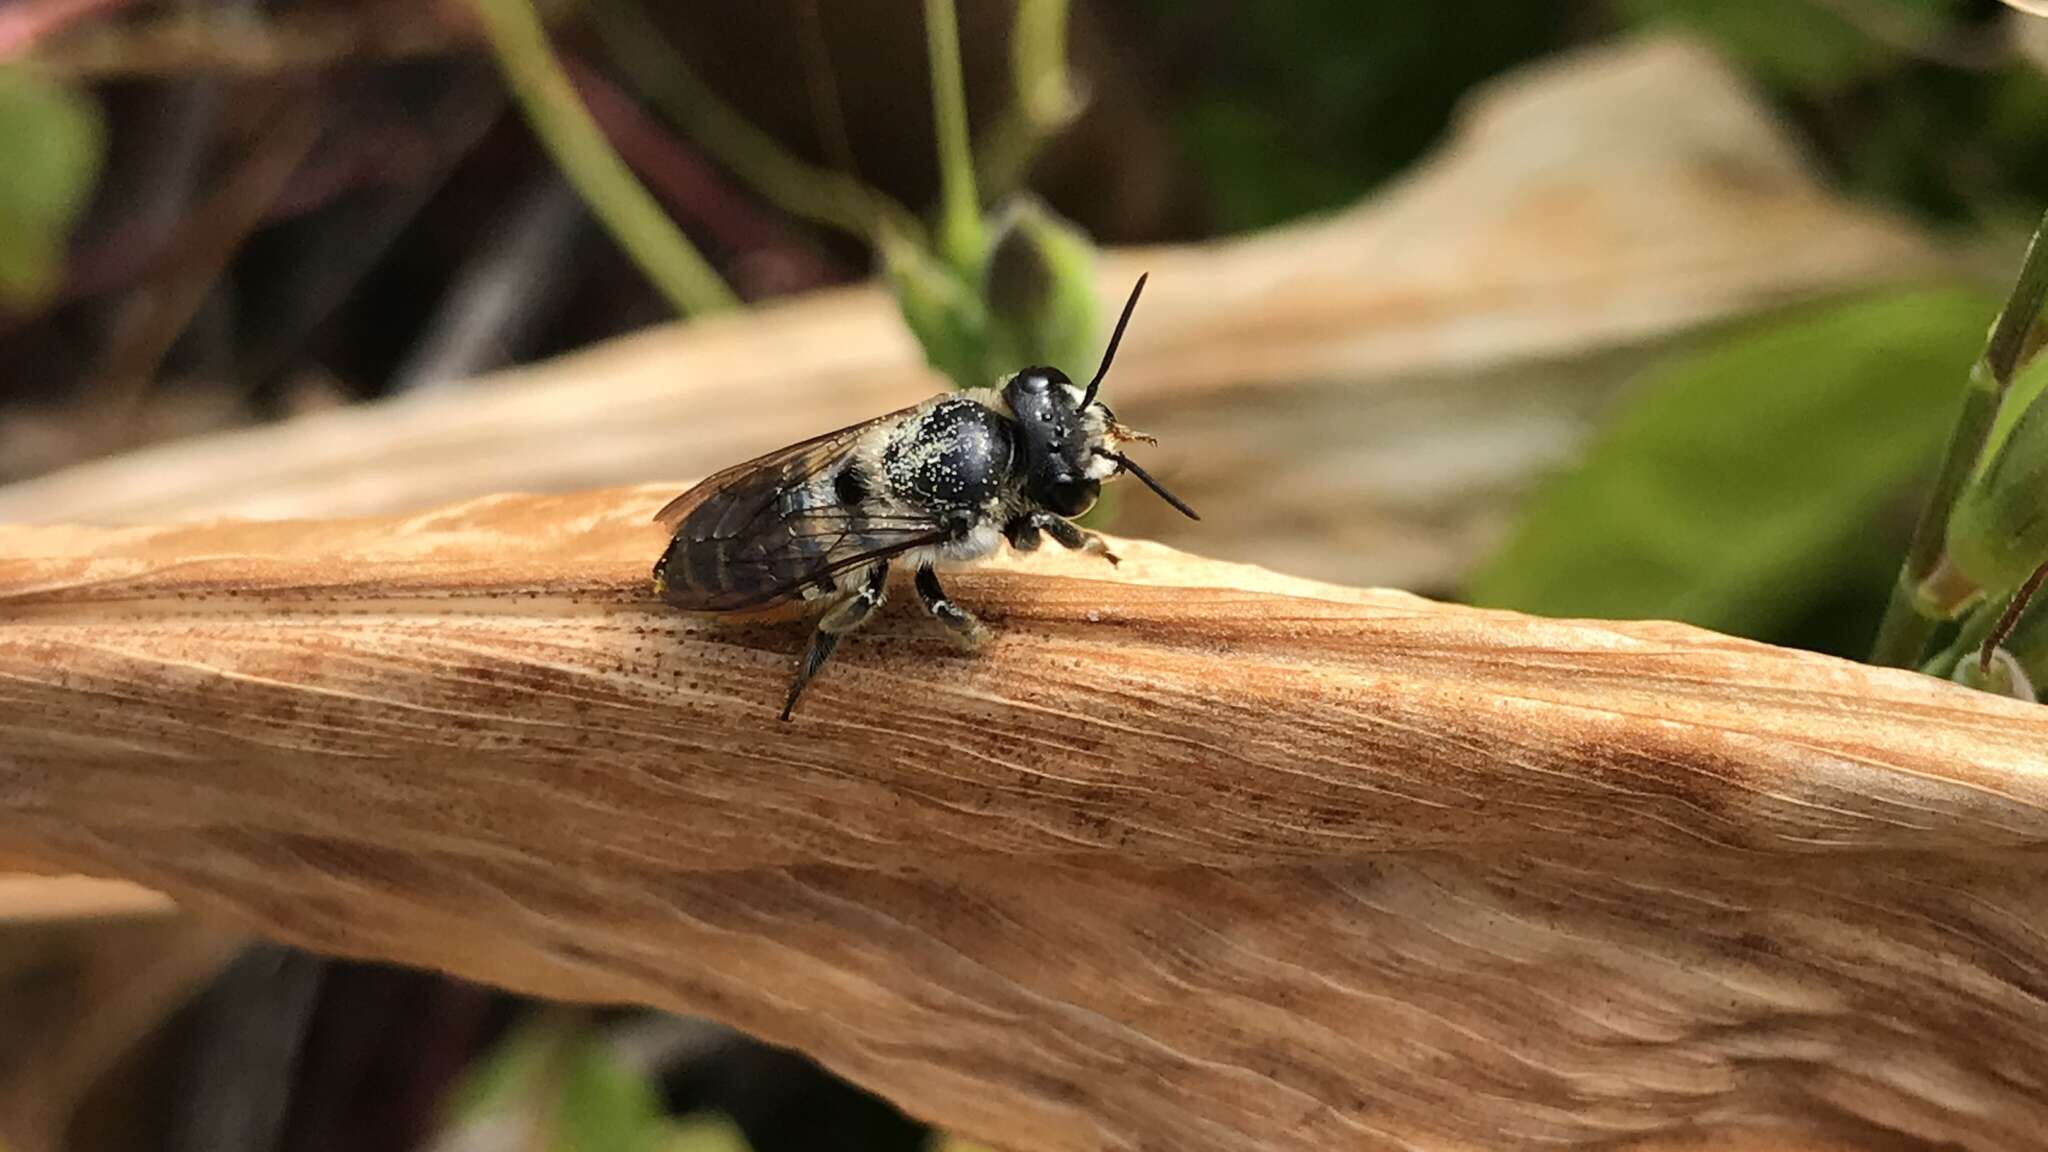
(797, 461)
(759, 533)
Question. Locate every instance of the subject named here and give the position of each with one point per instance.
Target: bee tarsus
(943, 481)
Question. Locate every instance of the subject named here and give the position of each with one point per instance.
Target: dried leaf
(1193, 856)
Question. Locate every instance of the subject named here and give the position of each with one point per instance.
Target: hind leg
(838, 620)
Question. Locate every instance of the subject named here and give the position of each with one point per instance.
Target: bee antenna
(1129, 465)
(1109, 353)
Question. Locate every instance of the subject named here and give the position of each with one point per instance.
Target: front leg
(1023, 535)
(958, 621)
(1029, 525)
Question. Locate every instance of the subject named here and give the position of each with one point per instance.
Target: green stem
(1038, 60)
(1908, 619)
(959, 208)
(637, 45)
(565, 127)
(1043, 99)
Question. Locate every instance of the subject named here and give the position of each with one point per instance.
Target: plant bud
(2003, 677)
(942, 311)
(1040, 288)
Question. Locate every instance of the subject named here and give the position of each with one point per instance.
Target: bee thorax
(956, 454)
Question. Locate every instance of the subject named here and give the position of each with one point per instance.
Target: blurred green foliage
(606, 1106)
(943, 309)
(498, 1082)
(1030, 299)
(555, 1078)
(998, 291)
(1322, 99)
(1813, 46)
(1925, 103)
(52, 140)
(1740, 484)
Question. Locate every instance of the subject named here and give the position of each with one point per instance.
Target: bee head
(1059, 440)
(1070, 439)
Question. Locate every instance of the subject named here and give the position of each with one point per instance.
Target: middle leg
(958, 621)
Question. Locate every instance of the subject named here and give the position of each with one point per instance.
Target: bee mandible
(944, 481)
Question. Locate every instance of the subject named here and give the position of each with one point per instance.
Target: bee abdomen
(709, 569)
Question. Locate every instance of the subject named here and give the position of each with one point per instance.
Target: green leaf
(556, 1079)
(2020, 400)
(52, 140)
(607, 1106)
(1998, 528)
(506, 1077)
(1741, 481)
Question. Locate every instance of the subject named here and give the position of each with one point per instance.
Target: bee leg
(1022, 534)
(822, 644)
(958, 621)
(838, 620)
(1072, 537)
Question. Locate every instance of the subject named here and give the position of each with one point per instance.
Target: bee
(944, 481)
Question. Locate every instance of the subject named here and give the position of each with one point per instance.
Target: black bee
(944, 480)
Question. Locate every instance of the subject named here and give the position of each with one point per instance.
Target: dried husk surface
(1191, 856)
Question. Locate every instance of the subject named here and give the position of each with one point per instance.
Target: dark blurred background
(407, 173)
(223, 213)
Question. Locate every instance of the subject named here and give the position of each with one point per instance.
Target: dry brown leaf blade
(1193, 856)
(506, 641)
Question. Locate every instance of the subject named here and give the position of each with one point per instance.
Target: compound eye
(1072, 497)
(1034, 381)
